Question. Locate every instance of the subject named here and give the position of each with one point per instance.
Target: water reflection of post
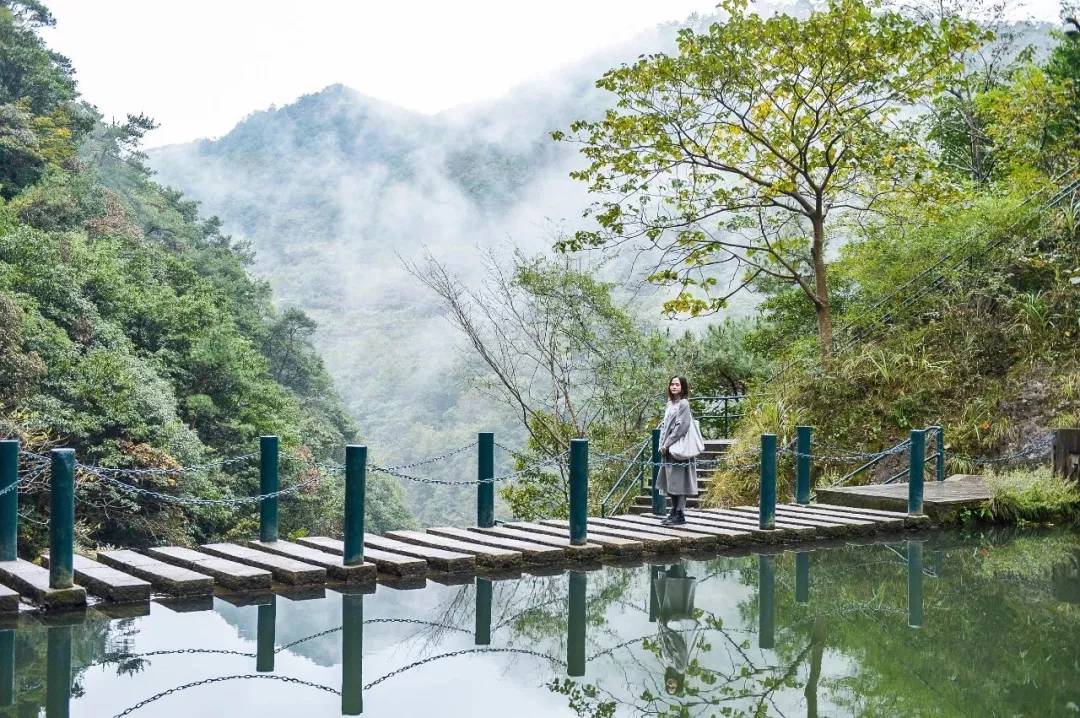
(352, 654)
(818, 635)
(575, 626)
(802, 577)
(58, 672)
(483, 611)
(264, 656)
(766, 601)
(7, 667)
(914, 584)
(654, 602)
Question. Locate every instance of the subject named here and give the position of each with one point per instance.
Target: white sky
(200, 66)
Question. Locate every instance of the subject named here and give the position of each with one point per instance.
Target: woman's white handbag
(689, 445)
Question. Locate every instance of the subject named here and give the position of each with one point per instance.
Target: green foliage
(1034, 495)
(132, 330)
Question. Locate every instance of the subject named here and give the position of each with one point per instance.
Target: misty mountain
(335, 190)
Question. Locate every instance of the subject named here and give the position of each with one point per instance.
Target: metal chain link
(113, 471)
(192, 501)
(433, 459)
(546, 463)
(220, 679)
(463, 652)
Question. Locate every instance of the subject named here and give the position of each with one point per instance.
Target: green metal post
(266, 638)
(914, 584)
(767, 499)
(9, 501)
(803, 436)
(579, 491)
(269, 483)
(766, 601)
(7, 667)
(940, 445)
(802, 577)
(485, 490)
(352, 654)
(483, 612)
(727, 422)
(917, 457)
(575, 626)
(62, 518)
(659, 501)
(355, 475)
(58, 671)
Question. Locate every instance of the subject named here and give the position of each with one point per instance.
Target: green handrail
(636, 461)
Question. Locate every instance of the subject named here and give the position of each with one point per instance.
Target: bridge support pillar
(355, 476)
(579, 491)
(62, 519)
(9, 501)
(767, 496)
(485, 471)
(269, 483)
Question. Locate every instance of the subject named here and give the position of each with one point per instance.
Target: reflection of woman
(677, 478)
(677, 627)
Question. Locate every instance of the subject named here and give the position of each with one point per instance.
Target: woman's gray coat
(676, 478)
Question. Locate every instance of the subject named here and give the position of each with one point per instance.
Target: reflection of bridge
(351, 635)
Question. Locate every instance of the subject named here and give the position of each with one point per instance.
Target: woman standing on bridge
(678, 477)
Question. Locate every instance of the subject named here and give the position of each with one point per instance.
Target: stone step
(164, 577)
(333, 565)
(437, 559)
(9, 600)
(228, 574)
(107, 582)
(396, 564)
(286, 570)
(689, 540)
(32, 582)
(588, 552)
(729, 537)
(620, 546)
(486, 556)
(532, 552)
(651, 541)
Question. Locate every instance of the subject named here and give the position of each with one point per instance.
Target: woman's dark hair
(685, 388)
(675, 677)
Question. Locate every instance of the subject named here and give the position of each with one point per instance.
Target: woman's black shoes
(674, 519)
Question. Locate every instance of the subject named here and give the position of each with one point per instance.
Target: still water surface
(951, 625)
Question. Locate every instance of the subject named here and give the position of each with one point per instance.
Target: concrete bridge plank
(486, 556)
(395, 564)
(286, 570)
(437, 559)
(530, 551)
(107, 582)
(164, 577)
(228, 574)
(588, 552)
(32, 582)
(611, 544)
(333, 565)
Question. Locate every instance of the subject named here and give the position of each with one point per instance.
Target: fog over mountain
(335, 190)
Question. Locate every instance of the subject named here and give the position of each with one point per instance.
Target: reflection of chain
(410, 621)
(463, 652)
(220, 679)
(117, 658)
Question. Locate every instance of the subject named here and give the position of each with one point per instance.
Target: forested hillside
(132, 330)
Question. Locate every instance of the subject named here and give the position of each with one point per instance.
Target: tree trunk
(821, 289)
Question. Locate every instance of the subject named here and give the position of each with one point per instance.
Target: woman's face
(675, 387)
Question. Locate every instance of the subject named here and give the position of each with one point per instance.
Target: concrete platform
(437, 559)
(164, 577)
(228, 574)
(385, 561)
(32, 581)
(943, 501)
(335, 569)
(107, 582)
(286, 570)
(486, 556)
(589, 552)
(534, 553)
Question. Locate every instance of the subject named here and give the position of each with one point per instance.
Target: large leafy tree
(744, 148)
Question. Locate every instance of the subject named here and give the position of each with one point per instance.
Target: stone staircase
(714, 448)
